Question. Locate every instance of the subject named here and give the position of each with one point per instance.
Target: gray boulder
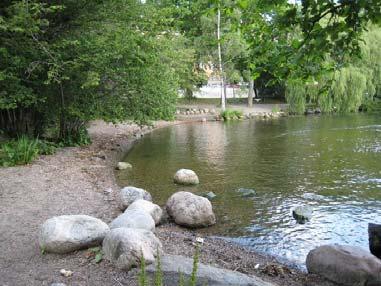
(374, 233)
(190, 210)
(130, 194)
(134, 219)
(186, 177)
(152, 209)
(172, 265)
(302, 214)
(124, 247)
(123, 166)
(62, 234)
(346, 265)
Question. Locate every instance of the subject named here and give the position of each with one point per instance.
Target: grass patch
(229, 114)
(23, 150)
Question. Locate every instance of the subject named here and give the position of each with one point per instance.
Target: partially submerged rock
(130, 194)
(152, 209)
(209, 195)
(302, 214)
(313, 197)
(62, 234)
(186, 177)
(124, 247)
(134, 218)
(190, 210)
(123, 166)
(172, 265)
(344, 264)
(246, 193)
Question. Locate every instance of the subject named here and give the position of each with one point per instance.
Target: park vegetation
(64, 63)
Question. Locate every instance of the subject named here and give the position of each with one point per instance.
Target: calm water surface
(335, 157)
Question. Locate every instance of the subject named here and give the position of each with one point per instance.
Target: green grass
(230, 114)
(23, 150)
(143, 279)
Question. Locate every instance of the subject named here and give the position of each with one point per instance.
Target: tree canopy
(63, 63)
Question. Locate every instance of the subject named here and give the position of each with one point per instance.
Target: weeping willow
(348, 89)
(357, 84)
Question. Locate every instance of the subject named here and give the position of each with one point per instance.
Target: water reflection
(286, 162)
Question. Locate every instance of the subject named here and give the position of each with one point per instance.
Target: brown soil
(78, 181)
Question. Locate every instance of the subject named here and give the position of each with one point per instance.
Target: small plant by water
(143, 279)
(230, 114)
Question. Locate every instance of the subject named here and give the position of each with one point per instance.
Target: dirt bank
(78, 181)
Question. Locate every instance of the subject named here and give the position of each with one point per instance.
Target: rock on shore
(346, 265)
(186, 177)
(171, 265)
(134, 219)
(124, 247)
(152, 209)
(130, 194)
(63, 234)
(190, 210)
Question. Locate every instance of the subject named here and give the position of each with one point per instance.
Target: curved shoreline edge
(81, 180)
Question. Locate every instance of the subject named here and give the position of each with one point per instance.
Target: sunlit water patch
(332, 163)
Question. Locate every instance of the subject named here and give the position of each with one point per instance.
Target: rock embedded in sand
(186, 177)
(173, 265)
(302, 214)
(190, 210)
(124, 247)
(130, 194)
(344, 264)
(67, 233)
(123, 166)
(134, 219)
(152, 209)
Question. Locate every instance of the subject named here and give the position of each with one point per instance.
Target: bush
(229, 114)
(23, 151)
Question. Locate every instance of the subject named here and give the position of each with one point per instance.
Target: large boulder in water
(124, 247)
(62, 234)
(374, 232)
(152, 209)
(134, 219)
(186, 177)
(344, 264)
(190, 210)
(130, 194)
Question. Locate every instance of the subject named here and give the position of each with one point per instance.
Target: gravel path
(75, 181)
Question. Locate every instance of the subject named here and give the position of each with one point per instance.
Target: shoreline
(82, 180)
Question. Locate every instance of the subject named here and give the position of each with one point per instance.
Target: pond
(332, 163)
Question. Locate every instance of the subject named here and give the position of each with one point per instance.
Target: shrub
(229, 114)
(18, 152)
(24, 150)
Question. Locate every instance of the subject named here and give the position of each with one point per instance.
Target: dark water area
(287, 162)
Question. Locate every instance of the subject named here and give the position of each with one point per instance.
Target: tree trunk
(251, 93)
(220, 58)
(63, 127)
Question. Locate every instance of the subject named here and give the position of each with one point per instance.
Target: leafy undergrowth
(229, 114)
(24, 150)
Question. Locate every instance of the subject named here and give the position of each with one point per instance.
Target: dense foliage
(63, 63)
